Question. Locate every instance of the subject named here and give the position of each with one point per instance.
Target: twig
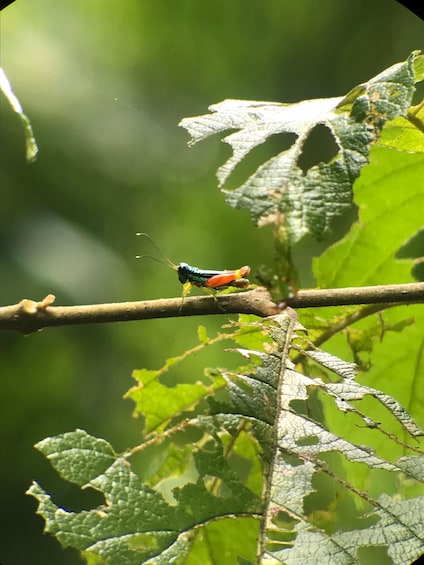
(29, 316)
(381, 294)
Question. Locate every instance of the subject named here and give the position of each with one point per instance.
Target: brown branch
(381, 294)
(29, 316)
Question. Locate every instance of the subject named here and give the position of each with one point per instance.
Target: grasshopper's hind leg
(213, 292)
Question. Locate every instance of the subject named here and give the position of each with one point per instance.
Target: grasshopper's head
(183, 270)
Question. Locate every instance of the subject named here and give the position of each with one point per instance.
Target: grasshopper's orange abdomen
(230, 278)
(213, 279)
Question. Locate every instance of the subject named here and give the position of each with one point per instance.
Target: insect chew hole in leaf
(319, 147)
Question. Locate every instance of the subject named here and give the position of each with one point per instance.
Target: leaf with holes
(279, 191)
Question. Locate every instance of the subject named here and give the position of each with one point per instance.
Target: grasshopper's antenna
(166, 261)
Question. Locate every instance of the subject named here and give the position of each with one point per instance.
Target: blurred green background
(105, 85)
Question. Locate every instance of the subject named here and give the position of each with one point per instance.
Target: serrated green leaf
(159, 403)
(220, 542)
(300, 445)
(314, 546)
(202, 334)
(419, 66)
(228, 494)
(402, 134)
(136, 525)
(122, 531)
(349, 390)
(279, 188)
(400, 528)
(175, 464)
(171, 402)
(250, 333)
(390, 197)
(251, 397)
(247, 450)
(225, 541)
(77, 456)
(413, 466)
(363, 340)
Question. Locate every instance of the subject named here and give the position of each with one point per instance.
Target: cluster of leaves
(205, 495)
(267, 463)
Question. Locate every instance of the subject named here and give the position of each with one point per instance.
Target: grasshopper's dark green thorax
(198, 277)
